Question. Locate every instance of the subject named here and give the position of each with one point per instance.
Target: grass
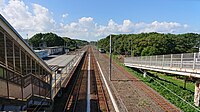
(159, 81)
(180, 82)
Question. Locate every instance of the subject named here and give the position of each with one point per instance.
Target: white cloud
(65, 15)
(85, 19)
(37, 18)
(1, 3)
(42, 18)
(26, 20)
(163, 27)
(127, 26)
(86, 22)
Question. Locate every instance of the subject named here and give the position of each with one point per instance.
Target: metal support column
(185, 82)
(156, 60)
(194, 61)
(22, 79)
(26, 62)
(51, 89)
(13, 55)
(6, 62)
(171, 61)
(55, 80)
(197, 93)
(181, 61)
(163, 60)
(145, 73)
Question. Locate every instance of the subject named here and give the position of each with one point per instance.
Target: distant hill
(146, 44)
(52, 39)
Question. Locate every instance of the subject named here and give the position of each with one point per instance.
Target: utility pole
(110, 58)
(131, 47)
(97, 49)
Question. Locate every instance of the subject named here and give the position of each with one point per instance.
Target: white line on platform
(88, 86)
(109, 91)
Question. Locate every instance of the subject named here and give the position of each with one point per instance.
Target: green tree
(52, 39)
(152, 43)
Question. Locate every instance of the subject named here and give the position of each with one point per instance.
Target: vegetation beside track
(148, 44)
(177, 80)
(175, 87)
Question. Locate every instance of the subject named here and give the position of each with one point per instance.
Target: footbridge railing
(183, 64)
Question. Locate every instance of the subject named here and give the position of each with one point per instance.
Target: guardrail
(187, 62)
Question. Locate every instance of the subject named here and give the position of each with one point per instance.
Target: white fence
(188, 62)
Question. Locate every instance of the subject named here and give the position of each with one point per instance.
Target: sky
(95, 19)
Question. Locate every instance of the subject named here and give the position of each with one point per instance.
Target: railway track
(78, 95)
(164, 104)
(103, 105)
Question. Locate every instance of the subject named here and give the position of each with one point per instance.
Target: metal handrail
(69, 65)
(31, 93)
(58, 80)
(189, 61)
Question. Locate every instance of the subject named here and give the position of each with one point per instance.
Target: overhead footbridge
(25, 79)
(187, 64)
